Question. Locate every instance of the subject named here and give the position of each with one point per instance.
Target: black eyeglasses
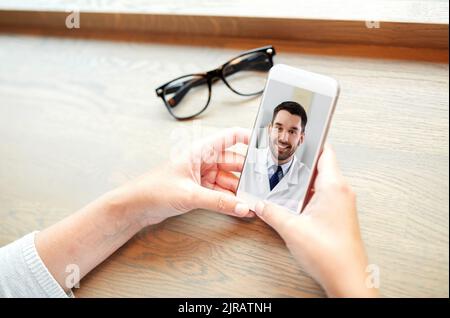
(187, 96)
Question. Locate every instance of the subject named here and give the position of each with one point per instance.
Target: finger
(312, 190)
(214, 186)
(327, 164)
(219, 188)
(250, 215)
(209, 150)
(327, 168)
(228, 138)
(227, 180)
(231, 161)
(221, 201)
(274, 215)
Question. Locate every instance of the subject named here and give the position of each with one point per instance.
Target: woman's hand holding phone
(325, 239)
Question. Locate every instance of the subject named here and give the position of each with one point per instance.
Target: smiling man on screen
(274, 173)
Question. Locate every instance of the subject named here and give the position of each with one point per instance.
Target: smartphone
(287, 139)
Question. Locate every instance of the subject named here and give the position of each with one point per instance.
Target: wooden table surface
(79, 117)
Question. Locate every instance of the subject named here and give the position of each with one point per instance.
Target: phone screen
(287, 138)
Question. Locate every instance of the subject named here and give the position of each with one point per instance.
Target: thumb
(274, 215)
(222, 202)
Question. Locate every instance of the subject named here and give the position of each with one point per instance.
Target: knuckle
(290, 225)
(221, 203)
(341, 187)
(346, 189)
(352, 195)
(191, 196)
(332, 185)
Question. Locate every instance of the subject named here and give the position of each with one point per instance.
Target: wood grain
(306, 47)
(358, 31)
(418, 11)
(79, 117)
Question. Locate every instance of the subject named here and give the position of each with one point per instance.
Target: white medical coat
(289, 192)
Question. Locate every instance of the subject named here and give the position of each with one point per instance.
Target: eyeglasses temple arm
(254, 65)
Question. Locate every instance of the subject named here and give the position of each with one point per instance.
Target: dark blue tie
(273, 181)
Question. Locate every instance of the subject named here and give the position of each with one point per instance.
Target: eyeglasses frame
(212, 76)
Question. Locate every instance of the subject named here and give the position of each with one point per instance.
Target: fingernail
(259, 207)
(241, 209)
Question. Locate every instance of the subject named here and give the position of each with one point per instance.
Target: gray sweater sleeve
(23, 274)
